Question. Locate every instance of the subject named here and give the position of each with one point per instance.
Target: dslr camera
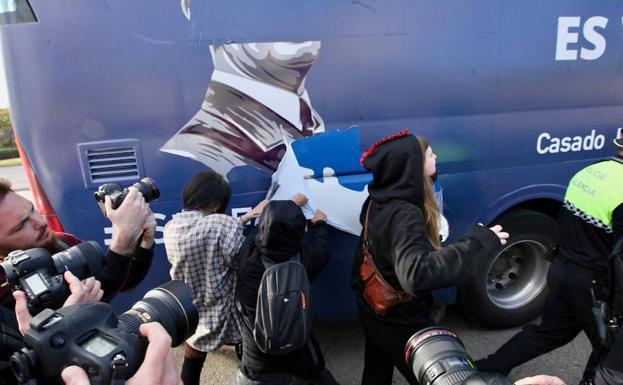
(146, 186)
(437, 357)
(90, 335)
(40, 275)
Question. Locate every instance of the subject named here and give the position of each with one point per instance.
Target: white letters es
(568, 38)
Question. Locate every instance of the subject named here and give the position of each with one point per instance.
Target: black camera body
(40, 275)
(146, 186)
(85, 334)
(91, 336)
(437, 356)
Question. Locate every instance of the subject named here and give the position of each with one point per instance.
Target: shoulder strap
(402, 295)
(267, 262)
(243, 316)
(365, 226)
(365, 245)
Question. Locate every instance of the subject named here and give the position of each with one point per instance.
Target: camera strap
(119, 370)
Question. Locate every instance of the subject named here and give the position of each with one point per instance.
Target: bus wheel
(512, 290)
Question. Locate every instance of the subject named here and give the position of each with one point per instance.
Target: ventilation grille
(110, 161)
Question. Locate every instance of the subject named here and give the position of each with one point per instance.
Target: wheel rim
(518, 274)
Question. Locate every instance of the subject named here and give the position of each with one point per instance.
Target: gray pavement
(342, 345)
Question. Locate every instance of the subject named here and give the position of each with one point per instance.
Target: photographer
(126, 263)
(158, 368)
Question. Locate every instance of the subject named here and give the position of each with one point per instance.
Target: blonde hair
(431, 211)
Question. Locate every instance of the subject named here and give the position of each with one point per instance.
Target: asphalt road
(343, 349)
(343, 344)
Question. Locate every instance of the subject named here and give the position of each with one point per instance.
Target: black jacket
(279, 237)
(397, 235)
(10, 342)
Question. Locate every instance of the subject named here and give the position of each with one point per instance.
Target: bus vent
(110, 161)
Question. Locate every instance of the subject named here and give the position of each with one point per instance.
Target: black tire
(512, 290)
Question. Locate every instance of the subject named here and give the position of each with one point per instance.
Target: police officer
(591, 222)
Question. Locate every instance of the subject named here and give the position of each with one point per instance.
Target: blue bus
(514, 97)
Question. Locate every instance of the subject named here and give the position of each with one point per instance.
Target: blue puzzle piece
(339, 150)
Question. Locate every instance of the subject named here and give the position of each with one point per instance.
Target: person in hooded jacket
(403, 239)
(279, 237)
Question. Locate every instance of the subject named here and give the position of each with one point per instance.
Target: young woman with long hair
(401, 232)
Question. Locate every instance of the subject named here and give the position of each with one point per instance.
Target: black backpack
(282, 313)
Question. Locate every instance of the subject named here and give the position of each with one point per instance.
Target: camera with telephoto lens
(437, 357)
(146, 186)
(91, 336)
(40, 275)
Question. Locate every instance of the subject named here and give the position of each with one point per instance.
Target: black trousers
(567, 312)
(384, 349)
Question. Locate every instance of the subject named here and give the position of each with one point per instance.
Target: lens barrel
(437, 356)
(83, 260)
(169, 304)
(148, 188)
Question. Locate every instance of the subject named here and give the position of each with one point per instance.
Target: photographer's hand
(149, 230)
(128, 220)
(80, 292)
(92, 290)
(540, 380)
(158, 368)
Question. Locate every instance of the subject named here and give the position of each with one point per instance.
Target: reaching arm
(419, 267)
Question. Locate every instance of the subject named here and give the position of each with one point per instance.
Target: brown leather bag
(379, 294)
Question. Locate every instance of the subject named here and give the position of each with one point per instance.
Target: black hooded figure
(279, 237)
(405, 257)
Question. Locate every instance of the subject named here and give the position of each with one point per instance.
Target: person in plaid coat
(202, 244)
